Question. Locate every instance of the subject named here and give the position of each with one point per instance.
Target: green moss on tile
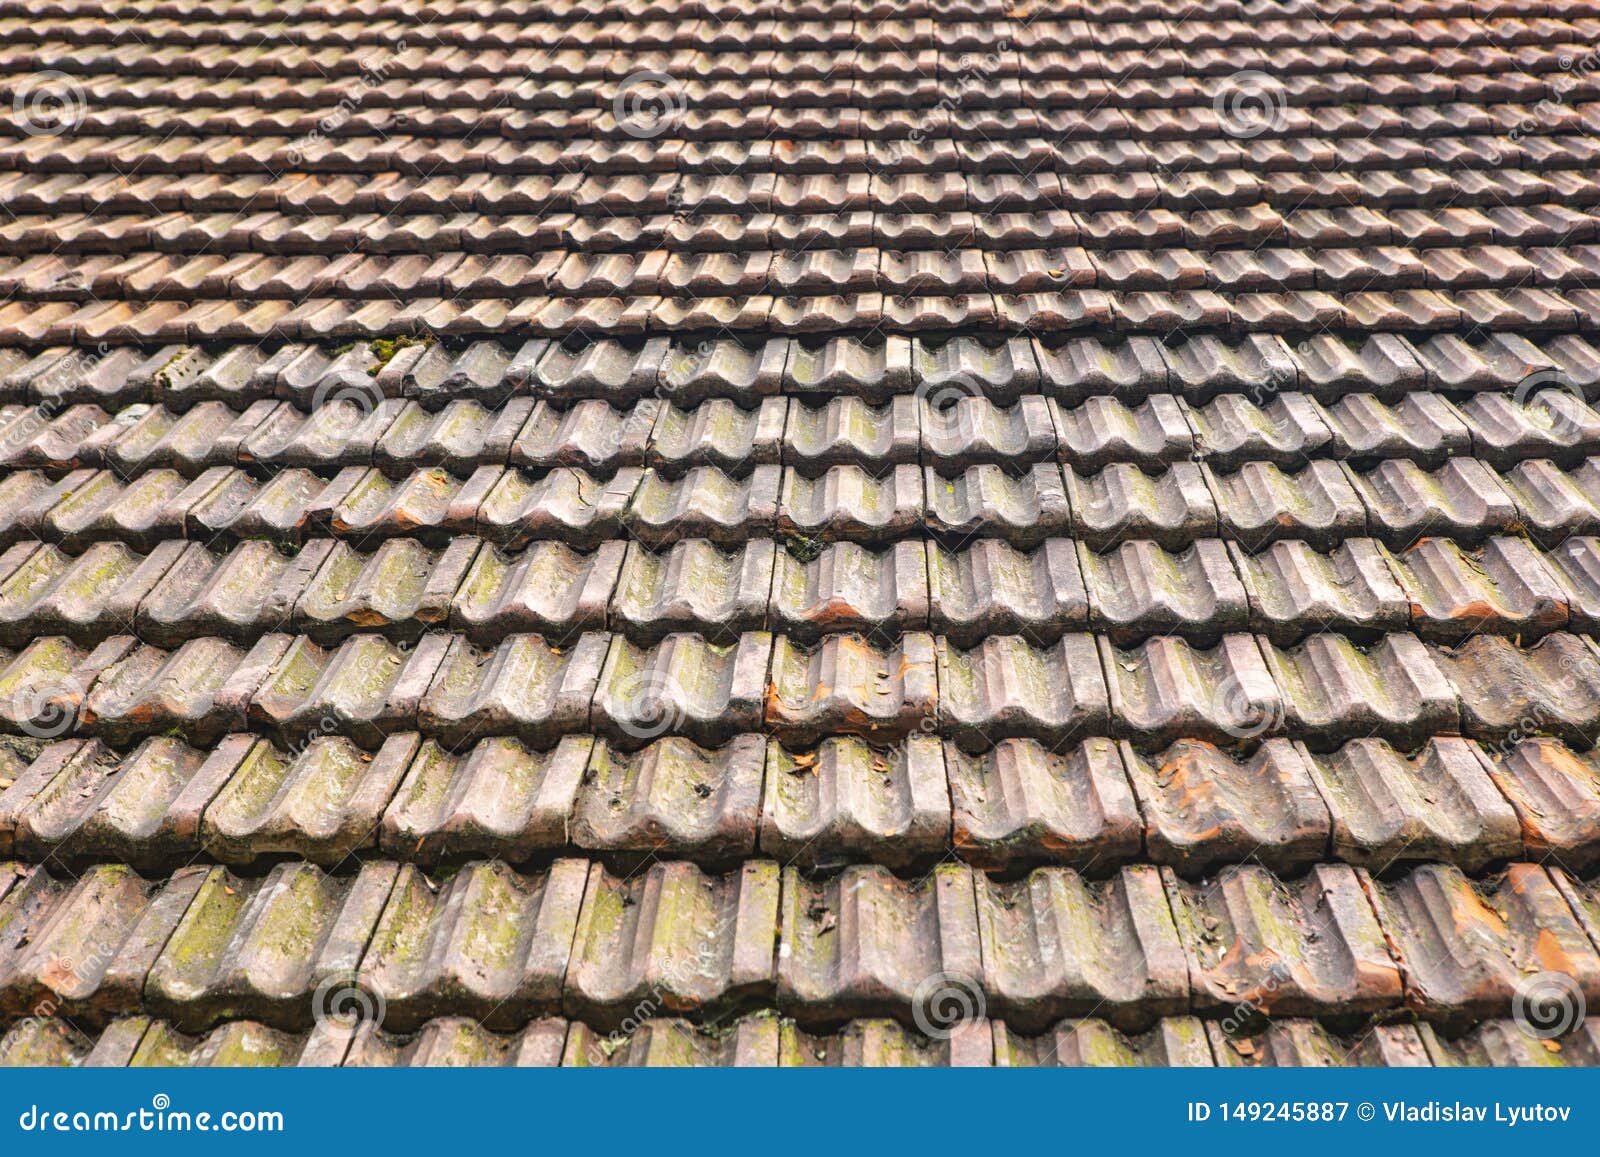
(802, 548)
(384, 349)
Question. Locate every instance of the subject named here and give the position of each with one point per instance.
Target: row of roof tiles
(948, 428)
(1322, 690)
(1072, 371)
(600, 211)
(260, 277)
(1096, 805)
(180, 592)
(228, 161)
(1295, 312)
(767, 1040)
(1437, 29)
(504, 946)
(1324, 503)
(1185, 18)
(599, 207)
(756, 121)
(774, 52)
(867, 85)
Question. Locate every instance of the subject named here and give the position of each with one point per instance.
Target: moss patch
(384, 348)
(803, 549)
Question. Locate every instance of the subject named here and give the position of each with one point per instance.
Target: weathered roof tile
(1465, 946)
(1055, 944)
(262, 947)
(487, 942)
(690, 942)
(1311, 947)
(846, 799)
(866, 940)
(1022, 802)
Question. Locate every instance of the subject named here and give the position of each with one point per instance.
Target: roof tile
(1055, 944)
(846, 801)
(1205, 807)
(487, 942)
(866, 940)
(1312, 947)
(1465, 945)
(690, 942)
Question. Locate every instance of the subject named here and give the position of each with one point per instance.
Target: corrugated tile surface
(953, 513)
